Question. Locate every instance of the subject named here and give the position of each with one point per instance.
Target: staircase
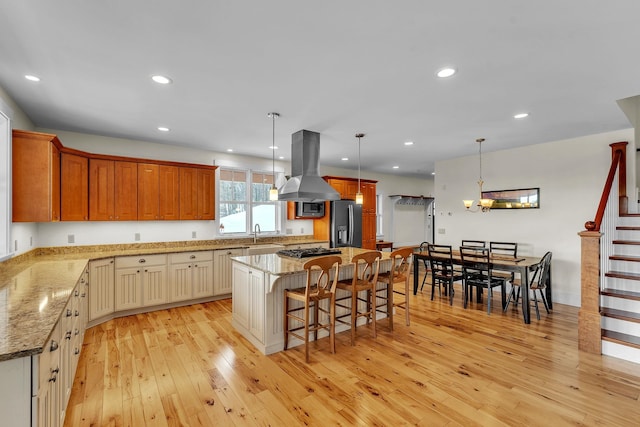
(620, 293)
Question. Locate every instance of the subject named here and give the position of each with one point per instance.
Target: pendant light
(484, 205)
(273, 193)
(359, 198)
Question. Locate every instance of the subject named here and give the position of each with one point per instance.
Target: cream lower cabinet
(140, 281)
(222, 274)
(249, 299)
(102, 294)
(190, 275)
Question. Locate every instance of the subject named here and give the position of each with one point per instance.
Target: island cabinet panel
(74, 187)
(240, 300)
(128, 288)
(35, 177)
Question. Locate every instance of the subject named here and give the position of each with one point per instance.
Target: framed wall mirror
(524, 198)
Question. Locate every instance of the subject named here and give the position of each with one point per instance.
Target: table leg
(416, 273)
(526, 312)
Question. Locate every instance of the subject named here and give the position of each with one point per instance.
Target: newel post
(589, 330)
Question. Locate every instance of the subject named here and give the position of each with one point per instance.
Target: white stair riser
(622, 284)
(621, 304)
(630, 354)
(622, 326)
(628, 221)
(626, 266)
(633, 250)
(627, 234)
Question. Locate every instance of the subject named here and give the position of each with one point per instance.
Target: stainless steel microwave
(309, 209)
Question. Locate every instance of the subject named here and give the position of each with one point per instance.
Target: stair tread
(630, 214)
(627, 227)
(623, 275)
(620, 338)
(626, 242)
(625, 258)
(621, 293)
(620, 314)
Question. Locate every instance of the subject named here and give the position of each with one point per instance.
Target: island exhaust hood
(305, 184)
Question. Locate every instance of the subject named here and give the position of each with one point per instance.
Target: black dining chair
(442, 270)
(478, 273)
(427, 269)
(538, 282)
(506, 250)
(474, 243)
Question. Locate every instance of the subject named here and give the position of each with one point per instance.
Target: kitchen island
(258, 283)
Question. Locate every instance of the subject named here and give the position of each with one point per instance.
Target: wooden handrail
(618, 161)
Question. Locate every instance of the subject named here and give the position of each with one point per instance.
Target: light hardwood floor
(452, 366)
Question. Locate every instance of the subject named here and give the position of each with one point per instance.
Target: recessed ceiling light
(32, 78)
(521, 115)
(161, 79)
(433, 173)
(273, 147)
(281, 157)
(344, 159)
(446, 72)
(408, 143)
(396, 167)
(163, 129)
(230, 150)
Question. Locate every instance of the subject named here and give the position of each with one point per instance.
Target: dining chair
(442, 270)
(538, 282)
(478, 273)
(474, 243)
(427, 269)
(507, 250)
(366, 267)
(322, 279)
(401, 262)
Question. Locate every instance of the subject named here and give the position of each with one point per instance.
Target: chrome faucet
(256, 230)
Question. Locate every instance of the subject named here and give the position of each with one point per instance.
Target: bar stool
(365, 277)
(402, 259)
(321, 285)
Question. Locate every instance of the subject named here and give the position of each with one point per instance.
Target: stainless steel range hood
(305, 184)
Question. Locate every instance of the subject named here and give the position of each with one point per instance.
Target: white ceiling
(334, 67)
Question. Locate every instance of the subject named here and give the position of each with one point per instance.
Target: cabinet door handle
(228, 252)
(77, 292)
(196, 266)
(54, 346)
(67, 336)
(111, 262)
(192, 257)
(76, 313)
(69, 312)
(76, 351)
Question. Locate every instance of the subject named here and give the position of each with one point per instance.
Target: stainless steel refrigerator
(346, 224)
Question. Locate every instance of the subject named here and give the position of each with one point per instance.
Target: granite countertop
(280, 265)
(36, 286)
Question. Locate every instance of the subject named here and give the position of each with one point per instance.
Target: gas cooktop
(307, 252)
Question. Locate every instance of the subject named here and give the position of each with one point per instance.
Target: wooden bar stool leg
(286, 321)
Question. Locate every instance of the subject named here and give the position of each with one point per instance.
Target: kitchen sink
(267, 248)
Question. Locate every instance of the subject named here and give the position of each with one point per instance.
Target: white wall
(570, 173)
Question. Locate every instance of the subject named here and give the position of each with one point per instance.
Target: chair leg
(424, 279)
(535, 303)
(389, 303)
(354, 316)
(316, 321)
(306, 333)
(372, 311)
(406, 301)
(544, 300)
(286, 321)
(332, 324)
(451, 292)
(489, 298)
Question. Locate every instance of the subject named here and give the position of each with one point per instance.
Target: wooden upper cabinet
(369, 202)
(148, 191)
(101, 190)
(158, 188)
(74, 187)
(126, 191)
(35, 177)
(206, 194)
(197, 193)
(169, 197)
(113, 189)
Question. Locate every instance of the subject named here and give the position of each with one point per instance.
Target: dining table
(520, 264)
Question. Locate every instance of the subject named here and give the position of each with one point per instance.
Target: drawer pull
(54, 346)
(68, 312)
(192, 257)
(67, 336)
(77, 313)
(77, 331)
(76, 351)
(142, 260)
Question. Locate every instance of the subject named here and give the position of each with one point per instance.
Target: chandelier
(273, 192)
(483, 205)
